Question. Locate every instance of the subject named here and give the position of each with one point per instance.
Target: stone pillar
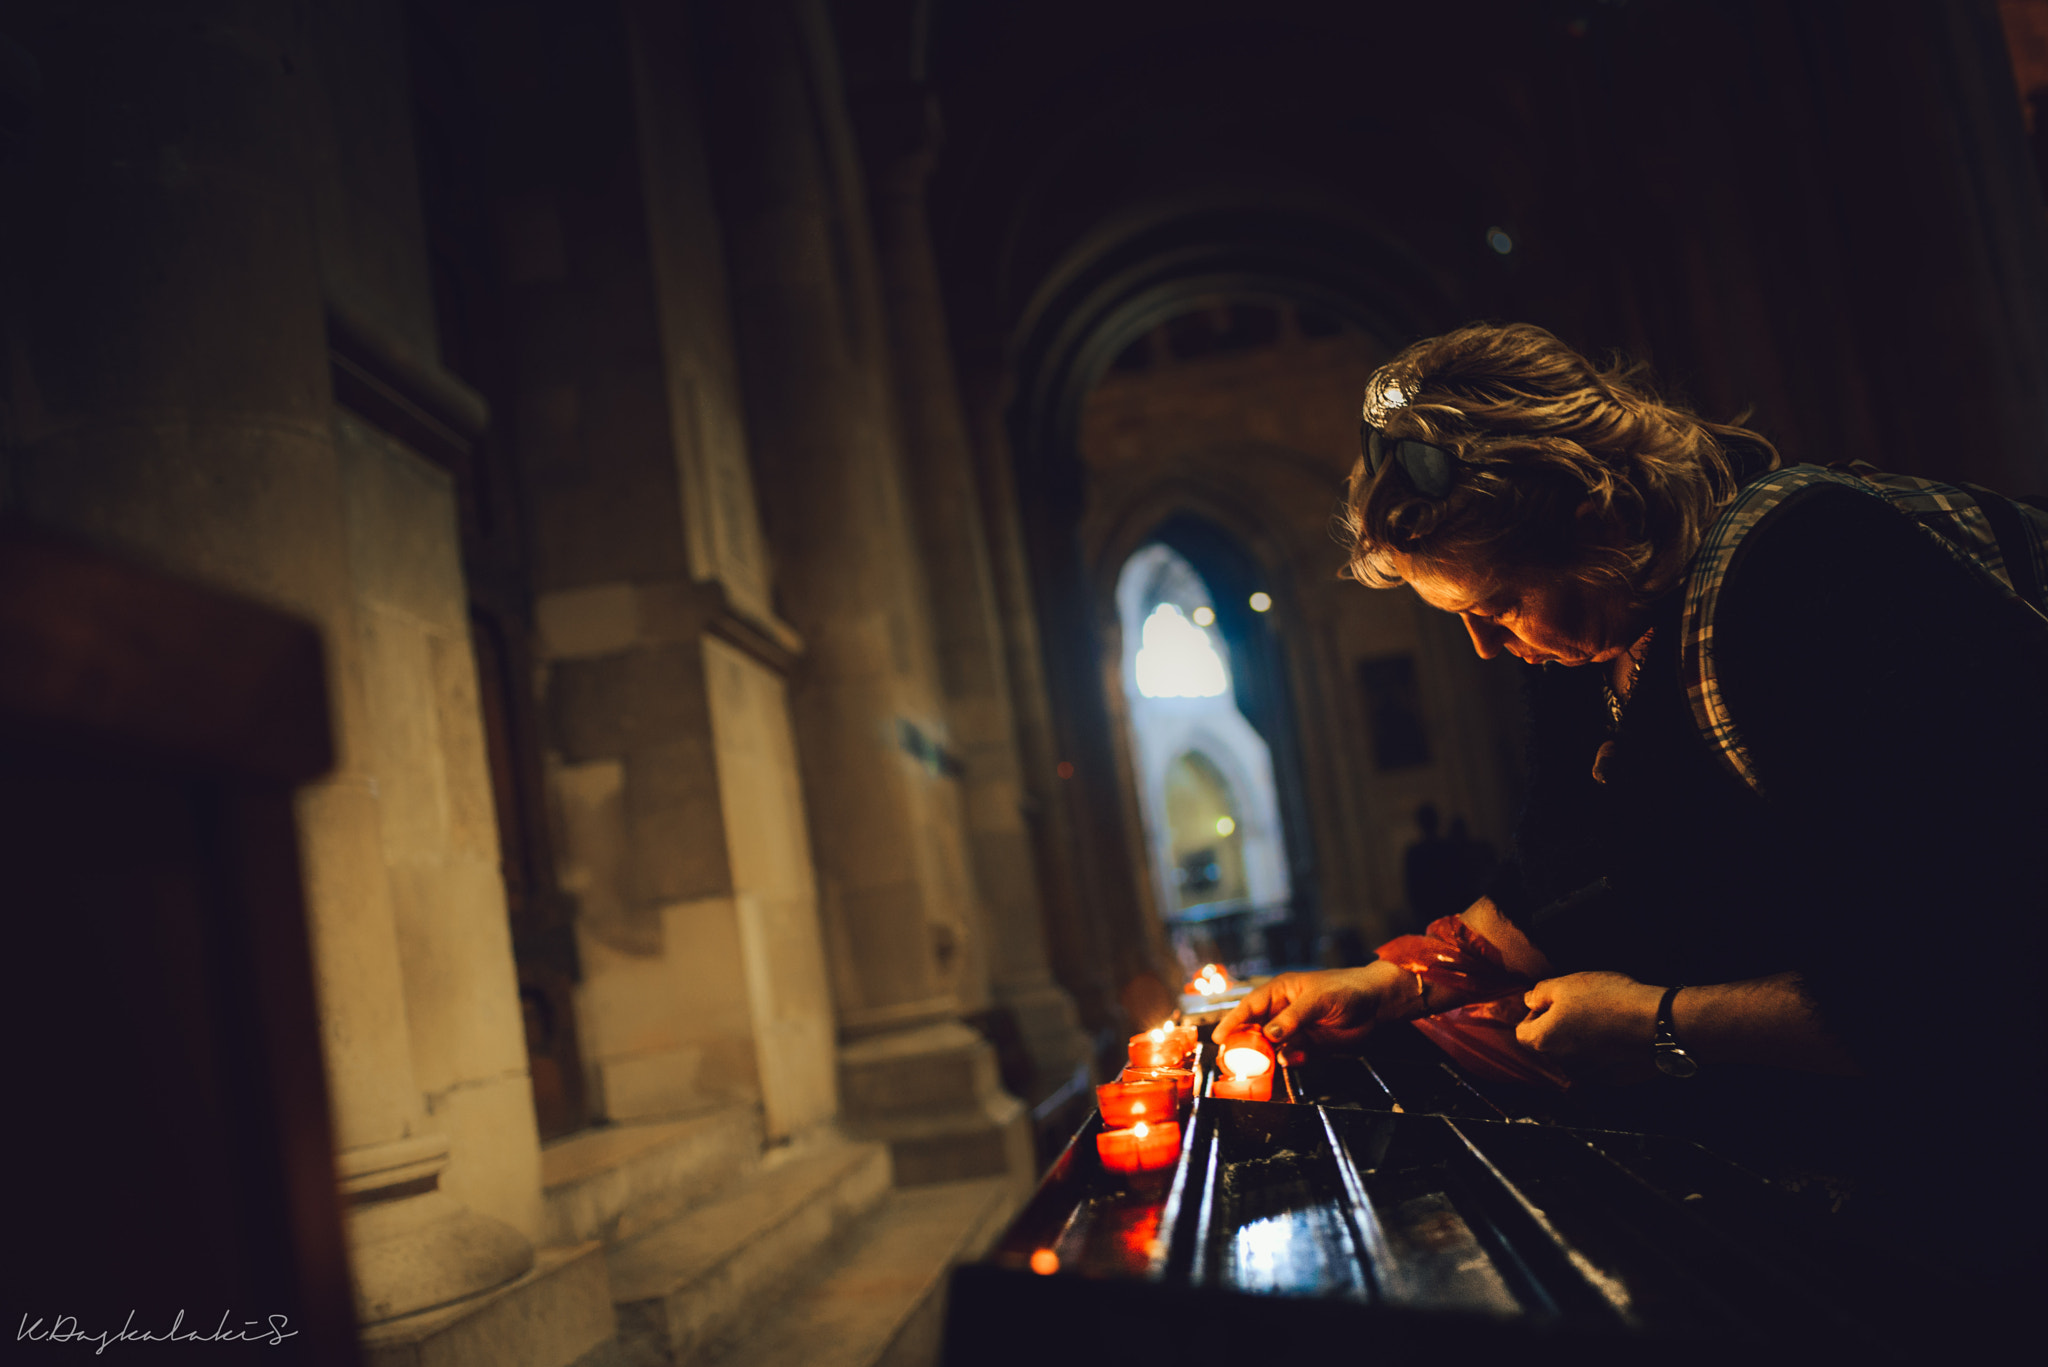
(899, 141)
(1080, 946)
(902, 918)
(170, 401)
(680, 833)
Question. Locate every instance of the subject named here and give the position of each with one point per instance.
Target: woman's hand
(1334, 1009)
(1605, 1025)
(1602, 1024)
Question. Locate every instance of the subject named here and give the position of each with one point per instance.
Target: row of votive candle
(1141, 1110)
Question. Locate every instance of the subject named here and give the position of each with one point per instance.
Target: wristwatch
(1672, 1060)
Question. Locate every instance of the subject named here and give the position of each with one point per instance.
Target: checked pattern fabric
(1951, 513)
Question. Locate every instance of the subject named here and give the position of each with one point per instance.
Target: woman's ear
(1604, 545)
(1600, 527)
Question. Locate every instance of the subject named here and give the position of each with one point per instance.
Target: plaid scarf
(1958, 516)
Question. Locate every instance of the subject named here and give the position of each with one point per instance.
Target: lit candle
(1134, 1099)
(1142, 1148)
(1247, 1075)
(1210, 982)
(1183, 1080)
(1164, 1046)
(1246, 1038)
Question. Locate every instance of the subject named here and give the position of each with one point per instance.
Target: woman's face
(1543, 619)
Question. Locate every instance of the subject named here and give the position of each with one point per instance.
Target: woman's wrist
(1645, 1000)
(1765, 1021)
(1406, 995)
(1396, 992)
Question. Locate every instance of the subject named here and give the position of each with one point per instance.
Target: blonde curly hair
(1561, 465)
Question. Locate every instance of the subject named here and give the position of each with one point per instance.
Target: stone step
(992, 1139)
(699, 1280)
(881, 1301)
(619, 1181)
(934, 1096)
(554, 1314)
(920, 1072)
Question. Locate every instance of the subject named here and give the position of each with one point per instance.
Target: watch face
(1676, 1063)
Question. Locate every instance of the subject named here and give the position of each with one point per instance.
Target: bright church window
(1176, 658)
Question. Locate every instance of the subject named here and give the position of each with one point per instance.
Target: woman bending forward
(1789, 778)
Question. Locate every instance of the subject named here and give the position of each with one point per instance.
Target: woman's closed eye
(1495, 612)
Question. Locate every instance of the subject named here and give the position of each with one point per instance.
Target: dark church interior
(642, 641)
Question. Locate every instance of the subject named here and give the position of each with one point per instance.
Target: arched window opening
(1204, 773)
(1207, 837)
(1177, 658)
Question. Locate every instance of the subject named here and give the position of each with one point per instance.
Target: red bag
(1479, 1036)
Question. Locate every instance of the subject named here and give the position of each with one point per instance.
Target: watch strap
(1671, 1057)
(1664, 1030)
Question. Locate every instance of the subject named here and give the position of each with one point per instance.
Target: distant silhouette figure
(1431, 871)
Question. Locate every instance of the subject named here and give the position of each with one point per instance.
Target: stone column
(168, 375)
(903, 922)
(1080, 946)
(899, 141)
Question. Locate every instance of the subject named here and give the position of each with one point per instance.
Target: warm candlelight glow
(1246, 1062)
(1211, 981)
(1247, 1075)
(1143, 1148)
(1163, 1047)
(1129, 1100)
(1045, 1262)
(1181, 1079)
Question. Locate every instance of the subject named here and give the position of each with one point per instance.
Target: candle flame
(1045, 1262)
(1245, 1062)
(1212, 981)
(1158, 1032)
(1140, 1129)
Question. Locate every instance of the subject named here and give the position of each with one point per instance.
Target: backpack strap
(1963, 520)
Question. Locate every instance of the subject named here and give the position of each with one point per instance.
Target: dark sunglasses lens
(1428, 467)
(1369, 447)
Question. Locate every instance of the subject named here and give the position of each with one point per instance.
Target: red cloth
(1479, 1036)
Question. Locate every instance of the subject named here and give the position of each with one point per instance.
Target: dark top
(1897, 712)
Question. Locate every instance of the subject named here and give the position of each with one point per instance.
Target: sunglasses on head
(1429, 468)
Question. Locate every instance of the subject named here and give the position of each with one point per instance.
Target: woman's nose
(1486, 636)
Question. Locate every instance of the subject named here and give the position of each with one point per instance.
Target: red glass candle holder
(1248, 1037)
(1143, 1148)
(1183, 1080)
(1163, 1047)
(1245, 1074)
(1127, 1102)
